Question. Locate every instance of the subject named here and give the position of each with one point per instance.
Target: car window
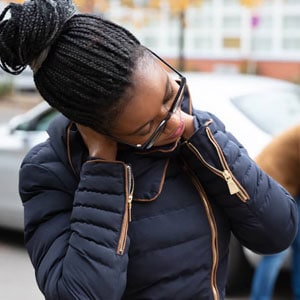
(272, 111)
(39, 123)
(44, 122)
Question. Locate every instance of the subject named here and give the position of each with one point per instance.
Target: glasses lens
(156, 135)
(177, 102)
(180, 96)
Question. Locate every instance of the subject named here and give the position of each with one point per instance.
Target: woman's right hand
(99, 145)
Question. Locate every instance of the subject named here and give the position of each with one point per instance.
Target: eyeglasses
(175, 105)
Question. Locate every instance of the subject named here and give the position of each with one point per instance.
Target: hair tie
(37, 62)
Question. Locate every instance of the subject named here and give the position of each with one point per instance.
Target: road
(17, 281)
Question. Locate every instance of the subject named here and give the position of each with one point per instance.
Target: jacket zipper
(130, 191)
(213, 228)
(127, 213)
(233, 185)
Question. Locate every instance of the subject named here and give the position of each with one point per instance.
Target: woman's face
(148, 102)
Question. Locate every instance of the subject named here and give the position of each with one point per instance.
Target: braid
(29, 30)
(89, 65)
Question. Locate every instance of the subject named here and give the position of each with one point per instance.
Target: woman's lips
(179, 130)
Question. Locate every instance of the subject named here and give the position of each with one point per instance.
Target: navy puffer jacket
(151, 225)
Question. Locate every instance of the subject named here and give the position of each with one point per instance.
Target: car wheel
(239, 270)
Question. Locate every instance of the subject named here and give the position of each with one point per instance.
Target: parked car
(253, 108)
(17, 137)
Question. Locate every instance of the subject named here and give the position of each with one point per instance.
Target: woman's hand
(99, 145)
(189, 127)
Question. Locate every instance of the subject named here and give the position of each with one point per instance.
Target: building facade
(222, 35)
(217, 36)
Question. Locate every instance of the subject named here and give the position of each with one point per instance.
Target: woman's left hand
(99, 145)
(189, 127)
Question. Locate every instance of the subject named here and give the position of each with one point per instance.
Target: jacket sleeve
(262, 214)
(76, 242)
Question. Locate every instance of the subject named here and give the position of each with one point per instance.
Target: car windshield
(39, 123)
(272, 111)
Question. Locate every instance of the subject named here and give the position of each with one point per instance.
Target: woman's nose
(173, 122)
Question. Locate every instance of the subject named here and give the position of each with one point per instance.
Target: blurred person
(135, 194)
(281, 160)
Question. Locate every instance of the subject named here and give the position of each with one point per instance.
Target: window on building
(261, 44)
(231, 42)
(172, 41)
(150, 41)
(291, 44)
(200, 21)
(202, 43)
(266, 3)
(231, 22)
(292, 1)
(231, 2)
(264, 22)
(291, 22)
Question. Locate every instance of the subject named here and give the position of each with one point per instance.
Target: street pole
(181, 58)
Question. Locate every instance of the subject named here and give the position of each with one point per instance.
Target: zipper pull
(232, 186)
(129, 207)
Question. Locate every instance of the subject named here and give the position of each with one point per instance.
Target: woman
(281, 160)
(135, 194)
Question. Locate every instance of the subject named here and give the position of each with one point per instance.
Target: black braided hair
(89, 65)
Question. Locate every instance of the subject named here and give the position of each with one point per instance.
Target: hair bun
(32, 27)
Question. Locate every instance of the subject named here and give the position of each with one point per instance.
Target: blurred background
(242, 58)
(244, 36)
